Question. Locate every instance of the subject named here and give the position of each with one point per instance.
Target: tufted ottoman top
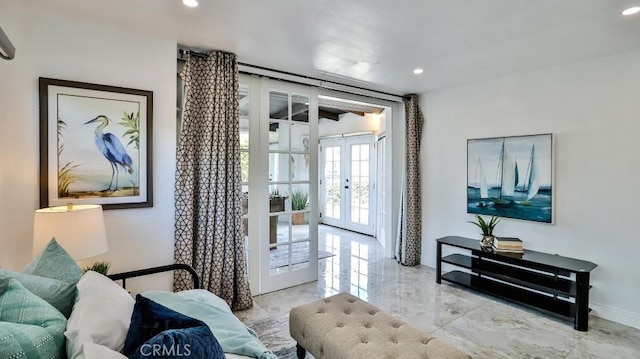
(345, 327)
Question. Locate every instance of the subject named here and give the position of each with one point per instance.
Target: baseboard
(615, 314)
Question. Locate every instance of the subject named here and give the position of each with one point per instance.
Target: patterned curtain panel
(408, 241)
(208, 195)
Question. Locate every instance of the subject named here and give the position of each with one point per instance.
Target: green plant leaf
(101, 267)
(486, 227)
(299, 200)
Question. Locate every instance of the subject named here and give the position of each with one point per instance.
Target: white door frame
(255, 182)
(381, 194)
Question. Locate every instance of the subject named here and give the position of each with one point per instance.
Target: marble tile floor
(483, 326)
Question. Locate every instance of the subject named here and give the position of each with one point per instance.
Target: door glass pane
(300, 231)
(243, 102)
(355, 169)
(300, 255)
(300, 108)
(364, 152)
(299, 167)
(300, 197)
(332, 181)
(276, 203)
(279, 135)
(244, 114)
(278, 105)
(279, 259)
(360, 184)
(245, 211)
(276, 190)
(300, 137)
(279, 167)
(279, 225)
(285, 258)
(244, 152)
(355, 153)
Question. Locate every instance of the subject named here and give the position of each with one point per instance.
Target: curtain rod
(250, 69)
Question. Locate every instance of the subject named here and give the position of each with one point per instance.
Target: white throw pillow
(101, 315)
(97, 351)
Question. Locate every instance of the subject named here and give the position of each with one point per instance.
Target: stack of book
(507, 245)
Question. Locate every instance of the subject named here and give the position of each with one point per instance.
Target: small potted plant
(299, 201)
(101, 267)
(486, 228)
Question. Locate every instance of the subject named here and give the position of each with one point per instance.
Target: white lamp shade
(79, 229)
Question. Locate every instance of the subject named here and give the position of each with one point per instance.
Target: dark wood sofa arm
(142, 272)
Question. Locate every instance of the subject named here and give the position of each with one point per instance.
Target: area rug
(274, 333)
(279, 257)
(287, 353)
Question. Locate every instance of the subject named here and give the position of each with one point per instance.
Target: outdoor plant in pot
(487, 228)
(299, 201)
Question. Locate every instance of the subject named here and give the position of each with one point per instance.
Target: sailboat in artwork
(531, 180)
(508, 175)
(484, 187)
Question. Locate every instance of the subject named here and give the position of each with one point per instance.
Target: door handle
(346, 187)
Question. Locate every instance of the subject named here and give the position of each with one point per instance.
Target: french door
(288, 161)
(347, 187)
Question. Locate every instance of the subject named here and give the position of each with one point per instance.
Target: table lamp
(79, 229)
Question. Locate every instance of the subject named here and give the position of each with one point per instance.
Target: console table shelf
(549, 283)
(543, 303)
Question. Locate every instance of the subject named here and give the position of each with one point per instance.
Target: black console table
(537, 280)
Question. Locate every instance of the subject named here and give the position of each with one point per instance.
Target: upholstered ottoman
(345, 327)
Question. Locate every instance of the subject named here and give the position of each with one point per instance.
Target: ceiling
(377, 43)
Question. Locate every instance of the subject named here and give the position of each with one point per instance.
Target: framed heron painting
(95, 145)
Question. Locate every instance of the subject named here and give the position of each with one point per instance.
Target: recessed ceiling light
(418, 71)
(631, 11)
(190, 3)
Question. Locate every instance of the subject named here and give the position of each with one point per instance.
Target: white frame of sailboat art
(511, 177)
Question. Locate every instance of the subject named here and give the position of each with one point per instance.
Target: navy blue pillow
(159, 332)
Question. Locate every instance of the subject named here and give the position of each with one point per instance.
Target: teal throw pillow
(60, 294)
(54, 262)
(29, 326)
(52, 276)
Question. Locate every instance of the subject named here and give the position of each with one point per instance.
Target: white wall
(349, 123)
(593, 110)
(88, 52)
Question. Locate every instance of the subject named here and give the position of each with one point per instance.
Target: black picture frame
(96, 145)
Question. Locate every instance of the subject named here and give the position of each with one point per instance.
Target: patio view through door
(331, 183)
(348, 183)
(288, 144)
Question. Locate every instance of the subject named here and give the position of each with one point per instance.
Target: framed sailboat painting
(511, 177)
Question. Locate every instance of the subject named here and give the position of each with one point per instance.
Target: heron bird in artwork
(112, 149)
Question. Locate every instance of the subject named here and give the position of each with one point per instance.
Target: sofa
(51, 309)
